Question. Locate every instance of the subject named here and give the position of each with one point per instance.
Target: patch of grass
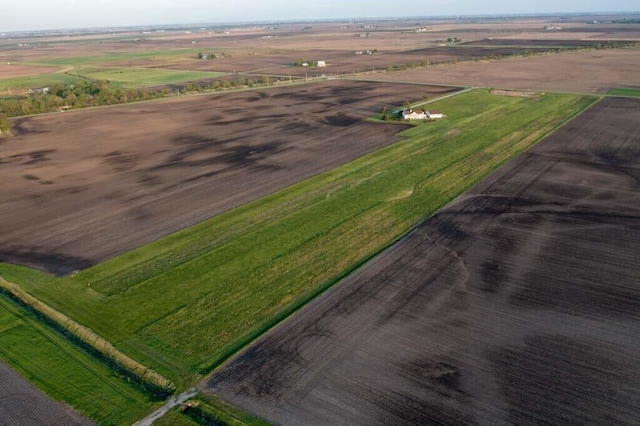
(175, 418)
(66, 373)
(84, 60)
(182, 304)
(624, 92)
(37, 81)
(136, 77)
(88, 338)
(209, 410)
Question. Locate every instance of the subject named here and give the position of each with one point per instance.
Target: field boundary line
(88, 336)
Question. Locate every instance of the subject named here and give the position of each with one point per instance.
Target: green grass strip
(624, 92)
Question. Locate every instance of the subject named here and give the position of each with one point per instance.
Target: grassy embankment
(183, 304)
(624, 92)
(65, 372)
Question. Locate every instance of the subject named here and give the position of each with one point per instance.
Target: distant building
(321, 64)
(414, 114)
(434, 114)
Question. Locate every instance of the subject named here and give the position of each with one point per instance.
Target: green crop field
(64, 371)
(183, 304)
(136, 77)
(624, 92)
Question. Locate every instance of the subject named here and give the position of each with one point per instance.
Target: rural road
(172, 402)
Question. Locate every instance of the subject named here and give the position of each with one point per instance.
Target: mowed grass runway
(183, 304)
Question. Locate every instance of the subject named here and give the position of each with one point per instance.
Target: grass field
(624, 92)
(84, 60)
(183, 304)
(35, 81)
(136, 77)
(66, 373)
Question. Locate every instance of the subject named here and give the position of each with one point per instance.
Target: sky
(22, 15)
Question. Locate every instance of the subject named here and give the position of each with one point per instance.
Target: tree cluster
(301, 62)
(212, 55)
(60, 97)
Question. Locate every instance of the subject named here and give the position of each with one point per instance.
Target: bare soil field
(341, 62)
(517, 304)
(22, 404)
(282, 63)
(14, 70)
(591, 71)
(81, 187)
(434, 55)
(541, 42)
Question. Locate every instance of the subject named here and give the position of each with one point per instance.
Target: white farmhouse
(414, 114)
(321, 64)
(434, 114)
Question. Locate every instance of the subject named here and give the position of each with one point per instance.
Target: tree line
(83, 94)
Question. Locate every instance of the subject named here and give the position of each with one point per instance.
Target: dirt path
(172, 402)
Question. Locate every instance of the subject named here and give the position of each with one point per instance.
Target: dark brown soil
(543, 42)
(81, 187)
(518, 304)
(22, 404)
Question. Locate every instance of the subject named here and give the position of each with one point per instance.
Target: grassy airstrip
(185, 303)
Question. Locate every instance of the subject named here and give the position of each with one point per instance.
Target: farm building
(434, 114)
(411, 114)
(321, 64)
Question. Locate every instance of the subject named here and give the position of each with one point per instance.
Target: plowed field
(89, 185)
(591, 71)
(517, 304)
(21, 403)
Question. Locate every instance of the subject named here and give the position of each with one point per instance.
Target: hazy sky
(50, 14)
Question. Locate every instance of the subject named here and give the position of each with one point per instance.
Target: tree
(4, 125)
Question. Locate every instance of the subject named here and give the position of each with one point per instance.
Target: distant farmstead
(434, 114)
